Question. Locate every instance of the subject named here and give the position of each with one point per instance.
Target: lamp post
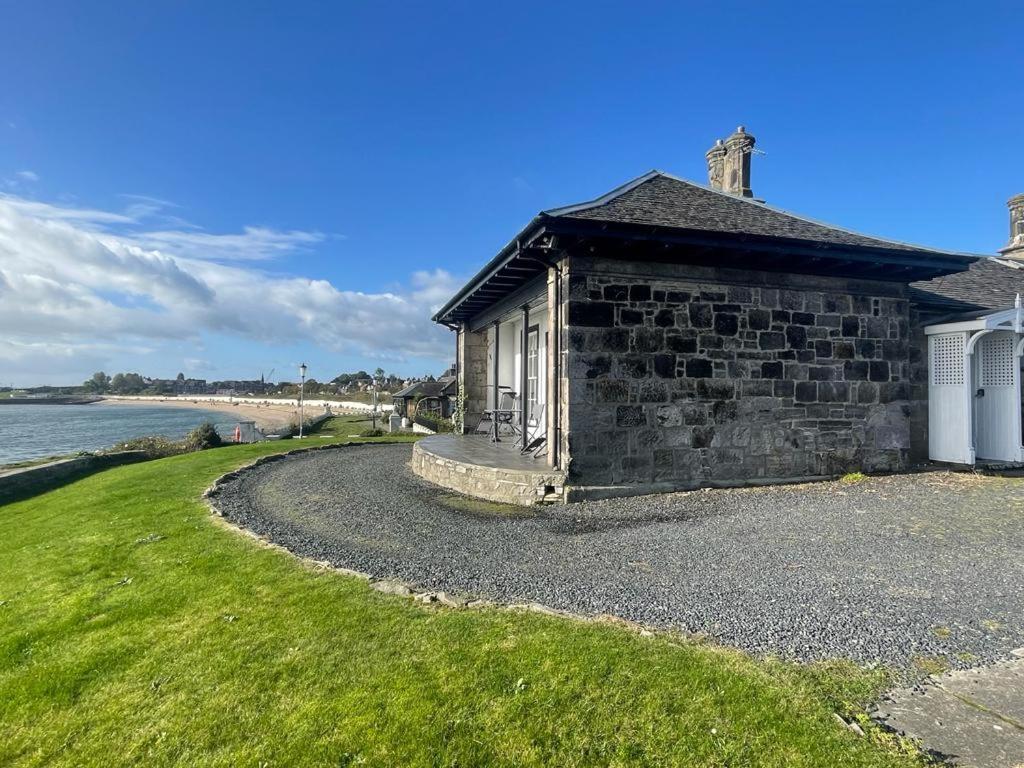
(302, 389)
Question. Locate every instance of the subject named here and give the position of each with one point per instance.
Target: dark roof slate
(988, 284)
(660, 199)
(443, 386)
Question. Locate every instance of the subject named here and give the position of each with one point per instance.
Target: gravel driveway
(895, 569)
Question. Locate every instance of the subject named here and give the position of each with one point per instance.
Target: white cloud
(28, 175)
(254, 243)
(84, 216)
(71, 286)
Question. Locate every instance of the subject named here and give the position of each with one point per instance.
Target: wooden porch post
(524, 342)
(497, 330)
(551, 405)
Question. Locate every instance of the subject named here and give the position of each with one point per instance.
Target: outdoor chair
(537, 447)
(504, 416)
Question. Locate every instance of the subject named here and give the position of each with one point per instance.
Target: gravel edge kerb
(412, 591)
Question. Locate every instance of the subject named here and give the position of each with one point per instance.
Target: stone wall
(432, 462)
(472, 375)
(687, 376)
(20, 483)
(918, 374)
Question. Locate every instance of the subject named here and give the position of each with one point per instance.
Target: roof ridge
(607, 197)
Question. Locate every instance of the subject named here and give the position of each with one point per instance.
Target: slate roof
(724, 228)
(661, 199)
(987, 284)
(439, 388)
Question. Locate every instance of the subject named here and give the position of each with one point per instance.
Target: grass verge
(344, 424)
(135, 631)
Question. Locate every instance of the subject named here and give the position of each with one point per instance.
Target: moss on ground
(484, 508)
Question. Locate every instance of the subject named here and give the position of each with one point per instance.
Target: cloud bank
(76, 283)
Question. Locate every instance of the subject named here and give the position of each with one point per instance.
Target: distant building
(239, 387)
(434, 397)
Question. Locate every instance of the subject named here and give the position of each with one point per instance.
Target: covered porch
(517, 377)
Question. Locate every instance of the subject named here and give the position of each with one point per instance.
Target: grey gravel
(893, 570)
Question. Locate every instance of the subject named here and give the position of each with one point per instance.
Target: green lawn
(137, 629)
(345, 424)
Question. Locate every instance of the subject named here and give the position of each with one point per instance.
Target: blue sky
(306, 181)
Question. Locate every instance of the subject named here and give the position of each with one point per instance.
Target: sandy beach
(269, 417)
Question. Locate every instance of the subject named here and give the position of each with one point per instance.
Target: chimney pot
(716, 164)
(739, 148)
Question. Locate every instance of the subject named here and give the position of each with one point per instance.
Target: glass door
(532, 373)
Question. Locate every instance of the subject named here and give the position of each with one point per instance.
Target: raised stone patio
(475, 466)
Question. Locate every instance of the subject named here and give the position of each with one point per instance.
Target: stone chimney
(1015, 248)
(729, 164)
(716, 164)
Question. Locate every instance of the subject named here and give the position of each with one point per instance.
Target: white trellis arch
(974, 387)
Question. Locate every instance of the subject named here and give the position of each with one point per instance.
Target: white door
(533, 391)
(996, 407)
(949, 406)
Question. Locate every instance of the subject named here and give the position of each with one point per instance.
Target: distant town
(355, 385)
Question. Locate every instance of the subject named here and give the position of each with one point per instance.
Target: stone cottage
(434, 398)
(671, 335)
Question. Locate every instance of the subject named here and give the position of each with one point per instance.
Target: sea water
(35, 431)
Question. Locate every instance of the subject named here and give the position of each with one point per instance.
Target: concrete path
(973, 717)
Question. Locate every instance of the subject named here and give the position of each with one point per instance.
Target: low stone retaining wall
(19, 483)
(508, 486)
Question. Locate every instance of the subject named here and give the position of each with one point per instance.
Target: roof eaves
(506, 251)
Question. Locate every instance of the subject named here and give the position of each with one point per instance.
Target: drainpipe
(524, 418)
(556, 371)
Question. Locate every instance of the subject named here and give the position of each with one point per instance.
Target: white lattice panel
(997, 361)
(947, 359)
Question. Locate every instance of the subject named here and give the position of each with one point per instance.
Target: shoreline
(267, 417)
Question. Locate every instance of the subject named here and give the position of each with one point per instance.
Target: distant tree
(180, 377)
(134, 383)
(98, 383)
(378, 374)
(344, 378)
(127, 384)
